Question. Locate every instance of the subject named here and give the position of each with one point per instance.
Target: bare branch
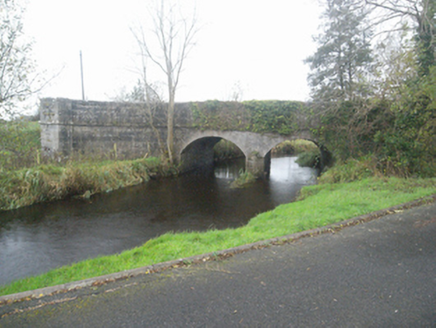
(174, 34)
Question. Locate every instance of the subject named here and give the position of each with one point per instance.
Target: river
(41, 237)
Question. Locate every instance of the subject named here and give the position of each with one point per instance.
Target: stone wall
(124, 130)
(91, 127)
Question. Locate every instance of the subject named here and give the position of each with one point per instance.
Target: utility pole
(81, 73)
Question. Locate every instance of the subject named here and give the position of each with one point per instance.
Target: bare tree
(152, 101)
(18, 77)
(174, 35)
(422, 14)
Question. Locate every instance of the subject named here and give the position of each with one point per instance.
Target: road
(378, 274)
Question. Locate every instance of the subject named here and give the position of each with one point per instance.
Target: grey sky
(256, 43)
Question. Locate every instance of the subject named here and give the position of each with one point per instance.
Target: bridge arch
(196, 148)
(325, 154)
(69, 126)
(199, 154)
(196, 151)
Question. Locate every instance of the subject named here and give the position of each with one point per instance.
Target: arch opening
(203, 154)
(308, 152)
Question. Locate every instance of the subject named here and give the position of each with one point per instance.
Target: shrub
(351, 170)
(309, 159)
(244, 180)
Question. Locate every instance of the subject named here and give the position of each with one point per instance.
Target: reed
(47, 183)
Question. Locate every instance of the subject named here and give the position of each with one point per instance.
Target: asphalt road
(377, 274)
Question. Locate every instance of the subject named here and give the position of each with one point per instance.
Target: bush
(19, 144)
(309, 159)
(351, 170)
(244, 180)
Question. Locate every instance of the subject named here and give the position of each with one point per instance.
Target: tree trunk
(170, 127)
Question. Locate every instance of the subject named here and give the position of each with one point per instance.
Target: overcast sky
(257, 44)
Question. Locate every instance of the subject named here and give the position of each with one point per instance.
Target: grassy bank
(319, 205)
(46, 183)
(27, 178)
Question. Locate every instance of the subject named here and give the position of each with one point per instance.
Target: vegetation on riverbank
(46, 183)
(318, 206)
(308, 154)
(19, 144)
(27, 178)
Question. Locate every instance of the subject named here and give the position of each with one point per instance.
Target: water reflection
(229, 170)
(41, 237)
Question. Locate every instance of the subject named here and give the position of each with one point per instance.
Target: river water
(38, 238)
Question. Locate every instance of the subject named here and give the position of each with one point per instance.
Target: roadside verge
(38, 293)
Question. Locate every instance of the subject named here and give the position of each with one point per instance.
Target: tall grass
(48, 183)
(26, 178)
(352, 170)
(320, 205)
(19, 144)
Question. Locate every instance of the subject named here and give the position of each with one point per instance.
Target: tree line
(373, 83)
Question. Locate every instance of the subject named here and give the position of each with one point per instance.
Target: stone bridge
(124, 130)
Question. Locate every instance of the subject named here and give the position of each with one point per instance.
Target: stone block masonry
(107, 128)
(90, 127)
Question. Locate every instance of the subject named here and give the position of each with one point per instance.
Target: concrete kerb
(47, 291)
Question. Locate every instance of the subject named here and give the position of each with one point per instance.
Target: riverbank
(373, 269)
(318, 206)
(45, 183)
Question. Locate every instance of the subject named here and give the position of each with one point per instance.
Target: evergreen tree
(341, 64)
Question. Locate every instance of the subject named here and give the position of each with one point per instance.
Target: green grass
(319, 206)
